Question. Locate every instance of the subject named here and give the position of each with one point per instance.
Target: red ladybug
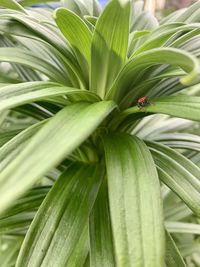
(143, 102)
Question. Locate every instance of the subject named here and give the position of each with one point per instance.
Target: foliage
(89, 178)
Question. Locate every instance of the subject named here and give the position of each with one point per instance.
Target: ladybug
(143, 102)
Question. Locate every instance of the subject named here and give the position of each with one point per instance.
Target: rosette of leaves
(84, 170)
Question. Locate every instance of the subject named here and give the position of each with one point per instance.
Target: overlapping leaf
(82, 8)
(180, 140)
(132, 72)
(70, 200)
(11, 4)
(77, 33)
(27, 58)
(179, 173)
(181, 227)
(101, 240)
(173, 256)
(23, 93)
(37, 158)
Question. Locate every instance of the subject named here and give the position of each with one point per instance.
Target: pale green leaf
(190, 14)
(158, 124)
(164, 35)
(173, 256)
(82, 8)
(178, 173)
(145, 21)
(135, 40)
(182, 227)
(29, 59)
(93, 6)
(178, 212)
(171, 18)
(180, 140)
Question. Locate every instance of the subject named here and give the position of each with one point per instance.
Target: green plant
(80, 160)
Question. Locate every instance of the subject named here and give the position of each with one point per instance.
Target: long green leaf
(34, 2)
(29, 27)
(182, 106)
(52, 239)
(101, 244)
(135, 202)
(181, 227)
(173, 256)
(62, 134)
(187, 107)
(23, 93)
(132, 72)
(75, 30)
(163, 35)
(180, 140)
(109, 45)
(29, 59)
(178, 173)
(77, 33)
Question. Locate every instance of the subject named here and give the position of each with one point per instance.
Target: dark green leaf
(62, 219)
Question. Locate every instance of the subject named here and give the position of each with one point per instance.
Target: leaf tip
(57, 11)
(192, 78)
